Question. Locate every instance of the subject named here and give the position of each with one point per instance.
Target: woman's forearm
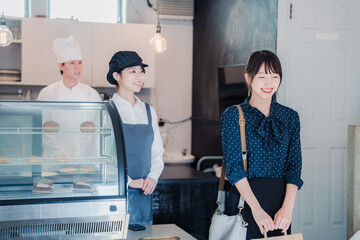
(290, 196)
(244, 189)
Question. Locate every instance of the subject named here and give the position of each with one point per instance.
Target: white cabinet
(39, 61)
(110, 38)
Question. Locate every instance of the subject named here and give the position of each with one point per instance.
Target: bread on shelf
(88, 170)
(51, 126)
(43, 185)
(82, 184)
(5, 160)
(34, 159)
(87, 127)
(49, 174)
(69, 170)
(62, 158)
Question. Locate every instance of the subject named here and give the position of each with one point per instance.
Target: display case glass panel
(60, 150)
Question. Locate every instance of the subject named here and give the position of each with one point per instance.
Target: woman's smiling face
(264, 84)
(131, 78)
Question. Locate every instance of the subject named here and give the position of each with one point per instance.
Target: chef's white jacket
(59, 92)
(72, 145)
(137, 115)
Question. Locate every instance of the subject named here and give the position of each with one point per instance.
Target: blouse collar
(271, 129)
(257, 112)
(121, 100)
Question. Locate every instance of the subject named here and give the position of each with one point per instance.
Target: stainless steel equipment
(62, 171)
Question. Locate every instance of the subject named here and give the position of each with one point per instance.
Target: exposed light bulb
(158, 43)
(6, 35)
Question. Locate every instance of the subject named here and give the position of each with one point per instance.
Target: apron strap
(148, 112)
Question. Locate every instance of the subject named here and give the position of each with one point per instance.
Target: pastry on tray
(48, 174)
(4, 160)
(43, 185)
(82, 184)
(51, 126)
(34, 159)
(69, 170)
(88, 170)
(62, 158)
(87, 127)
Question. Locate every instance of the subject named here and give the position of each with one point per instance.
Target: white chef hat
(66, 49)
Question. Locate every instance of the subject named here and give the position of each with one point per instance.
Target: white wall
(39, 8)
(173, 92)
(172, 96)
(139, 12)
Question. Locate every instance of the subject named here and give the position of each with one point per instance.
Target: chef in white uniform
(69, 62)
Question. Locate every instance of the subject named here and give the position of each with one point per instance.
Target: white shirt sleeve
(129, 180)
(157, 150)
(42, 95)
(94, 96)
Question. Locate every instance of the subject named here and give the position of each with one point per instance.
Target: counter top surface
(161, 230)
(176, 174)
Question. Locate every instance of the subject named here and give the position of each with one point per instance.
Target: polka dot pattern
(273, 143)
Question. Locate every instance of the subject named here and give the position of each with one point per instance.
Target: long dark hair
(257, 59)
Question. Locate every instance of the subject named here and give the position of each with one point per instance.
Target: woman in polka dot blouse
(273, 149)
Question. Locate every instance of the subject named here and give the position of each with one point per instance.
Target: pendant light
(6, 35)
(158, 43)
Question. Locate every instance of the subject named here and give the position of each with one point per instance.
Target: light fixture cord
(3, 20)
(158, 27)
(2, 7)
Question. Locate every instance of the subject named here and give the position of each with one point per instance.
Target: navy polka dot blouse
(273, 143)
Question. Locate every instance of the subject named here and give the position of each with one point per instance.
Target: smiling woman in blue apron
(143, 144)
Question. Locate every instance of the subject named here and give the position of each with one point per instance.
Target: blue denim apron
(138, 142)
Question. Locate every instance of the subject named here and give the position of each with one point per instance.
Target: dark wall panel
(226, 32)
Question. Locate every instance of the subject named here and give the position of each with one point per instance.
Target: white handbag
(224, 227)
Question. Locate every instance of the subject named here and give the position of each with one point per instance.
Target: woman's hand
(282, 218)
(263, 220)
(137, 183)
(149, 186)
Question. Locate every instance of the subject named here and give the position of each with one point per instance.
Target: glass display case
(62, 171)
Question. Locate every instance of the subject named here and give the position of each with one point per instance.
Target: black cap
(122, 60)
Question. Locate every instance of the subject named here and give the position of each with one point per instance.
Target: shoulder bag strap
(243, 149)
(244, 158)
(243, 137)
(243, 155)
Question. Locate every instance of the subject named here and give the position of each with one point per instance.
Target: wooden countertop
(179, 174)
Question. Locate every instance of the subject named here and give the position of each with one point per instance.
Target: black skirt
(270, 192)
